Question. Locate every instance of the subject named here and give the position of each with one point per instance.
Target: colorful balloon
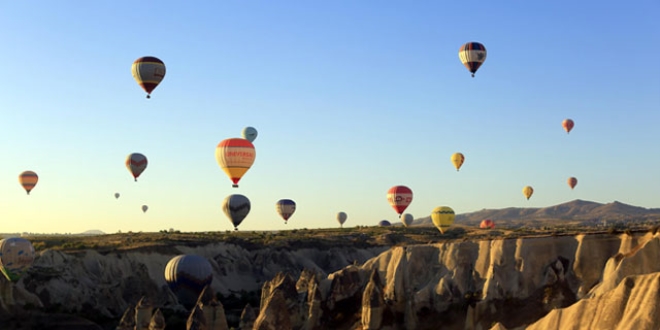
(249, 133)
(407, 219)
(136, 164)
(116, 195)
(16, 257)
(341, 217)
(384, 223)
(399, 198)
(235, 156)
(186, 276)
(457, 159)
(527, 191)
(572, 182)
(567, 124)
(148, 71)
(487, 224)
(144, 208)
(236, 207)
(28, 180)
(285, 208)
(443, 217)
(472, 55)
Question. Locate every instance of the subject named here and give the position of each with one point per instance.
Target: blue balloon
(187, 275)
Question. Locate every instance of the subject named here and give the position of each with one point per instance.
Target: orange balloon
(487, 224)
(572, 182)
(235, 156)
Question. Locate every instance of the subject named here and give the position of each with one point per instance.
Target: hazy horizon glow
(349, 99)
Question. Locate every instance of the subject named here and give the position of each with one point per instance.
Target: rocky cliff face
(471, 285)
(499, 283)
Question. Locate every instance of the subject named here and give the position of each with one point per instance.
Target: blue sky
(349, 98)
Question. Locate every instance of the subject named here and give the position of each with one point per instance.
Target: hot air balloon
(443, 217)
(136, 164)
(148, 71)
(399, 198)
(236, 207)
(144, 208)
(249, 133)
(186, 276)
(341, 217)
(16, 256)
(457, 159)
(527, 191)
(285, 208)
(116, 195)
(487, 224)
(28, 180)
(384, 223)
(235, 156)
(567, 124)
(572, 182)
(407, 219)
(472, 55)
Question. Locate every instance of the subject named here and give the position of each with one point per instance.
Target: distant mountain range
(577, 210)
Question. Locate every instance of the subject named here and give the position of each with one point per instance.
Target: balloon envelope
(235, 156)
(136, 164)
(443, 217)
(28, 180)
(527, 191)
(148, 72)
(285, 208)
(572, 182)
(116, 195)
(341, 217)
(249, 133)
(236, 207)
(145, 208)
(407, 219)
(567, 124)
(16, 256)
(472, 55)
(487, 224)
(457, 159)
(384, 223)
(186, 276)
(399, 198)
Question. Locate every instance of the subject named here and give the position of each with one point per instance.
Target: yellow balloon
(457, 159)
(235, 156)
(443, 217)
(528, 191)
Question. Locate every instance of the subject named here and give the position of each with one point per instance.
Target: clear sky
(349, 98)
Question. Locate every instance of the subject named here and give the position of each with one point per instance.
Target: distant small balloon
(285, 208)
(528, 191)
(457, 159)
(249, 133)
(148, 72)
(407, 219)
(236, 208)
(487, 224)
(28, 180)
(572, 182)
(136, 164)
(341, 217)
(144, 208)
(116, 195)
(568, 125)
(384, 223)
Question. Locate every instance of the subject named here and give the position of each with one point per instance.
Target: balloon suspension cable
(235, 185)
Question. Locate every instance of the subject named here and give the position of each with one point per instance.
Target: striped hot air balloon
(285, 208)
(235, 156)
(136, 164)
(472, 55)
(148, 71)
(16, 256)
(399, 198)
(186, 276)
(567, 124)
(487, 224)
(28, 180)
(236, 208)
